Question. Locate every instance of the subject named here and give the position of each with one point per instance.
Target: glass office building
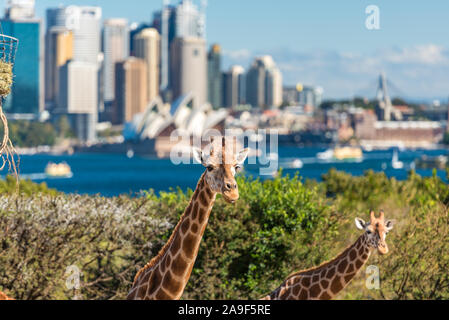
(26, 96)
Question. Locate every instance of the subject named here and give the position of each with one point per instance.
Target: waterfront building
(214, 76)
(409, 134)
(189, 69)
(26, 99)
(147, 48)
(59, 50)
(131, 89)
(234, 87)
(115, 49)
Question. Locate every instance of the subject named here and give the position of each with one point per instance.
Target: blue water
(111, 175)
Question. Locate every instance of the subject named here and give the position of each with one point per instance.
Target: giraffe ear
(242, 155)
(389, 225)
(198, 155)
(360, 224)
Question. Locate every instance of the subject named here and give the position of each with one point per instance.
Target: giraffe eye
(238, 168)
(368, 231)
(210, 168)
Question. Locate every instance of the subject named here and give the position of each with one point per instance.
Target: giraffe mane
(165, 248)
(326, 263)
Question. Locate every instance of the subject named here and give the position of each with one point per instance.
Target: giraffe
(166, 275)
(4, 297)
(327, 280)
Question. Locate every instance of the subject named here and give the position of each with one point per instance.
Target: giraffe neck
(327, 280)
(166, 275)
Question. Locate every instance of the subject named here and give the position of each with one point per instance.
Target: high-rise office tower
(115, 49)
(27, 94)
(177, 21)
(274, 87)
(20, 9)
(264, 83)
(85, 24)
(134, 29)
(189, 69)
(59, 50)
(147, 48)
(234, 87)
(78, 97)
(130, 89)
(214, 76)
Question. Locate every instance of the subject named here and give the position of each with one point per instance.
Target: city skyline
(323, 44)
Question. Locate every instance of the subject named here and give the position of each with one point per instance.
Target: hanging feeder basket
(8, 50)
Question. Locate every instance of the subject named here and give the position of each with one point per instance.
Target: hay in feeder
(5, 78)
(7, 150)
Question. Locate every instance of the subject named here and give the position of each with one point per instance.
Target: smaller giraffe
(327, 280)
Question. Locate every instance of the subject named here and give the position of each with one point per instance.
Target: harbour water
(112, 175)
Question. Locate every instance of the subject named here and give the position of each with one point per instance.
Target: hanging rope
(8, 48)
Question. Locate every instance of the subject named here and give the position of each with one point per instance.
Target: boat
(348, 153)
(326, 155)
(341, 153)
(58, 170)
(395, 163)
(297, 164)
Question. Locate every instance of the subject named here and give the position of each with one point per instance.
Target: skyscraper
(115, 49)
(130, 89)
(59, 50)
(78, 97)
(264, 83)
(234, 87)
(274, 87)
(77, 79)
(189, 69)
(214, 76)
(147, 48)
(177, 21)
(27, 93)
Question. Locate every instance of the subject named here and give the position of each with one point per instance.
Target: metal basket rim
(9, 37)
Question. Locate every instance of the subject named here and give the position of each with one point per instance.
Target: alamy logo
(73, 278)
(373, 278)
(372, 22)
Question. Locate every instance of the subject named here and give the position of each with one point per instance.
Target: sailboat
(395, 163)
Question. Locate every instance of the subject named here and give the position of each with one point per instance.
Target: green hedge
(278, 226)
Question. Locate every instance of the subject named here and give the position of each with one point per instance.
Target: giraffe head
(222, 162)
(376, 231)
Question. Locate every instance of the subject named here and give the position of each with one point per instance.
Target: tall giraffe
(166, 275)
(327, 280)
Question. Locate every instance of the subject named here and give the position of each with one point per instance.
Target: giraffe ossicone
(166, 275)
(327, 280)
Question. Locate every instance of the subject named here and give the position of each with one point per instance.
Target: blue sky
(323, 42)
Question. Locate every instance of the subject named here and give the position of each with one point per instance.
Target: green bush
(278, 226)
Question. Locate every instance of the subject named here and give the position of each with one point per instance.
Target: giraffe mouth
(229, 199)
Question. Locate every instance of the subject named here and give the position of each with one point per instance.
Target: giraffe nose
(230, 186)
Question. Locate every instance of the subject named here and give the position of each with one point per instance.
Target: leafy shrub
(278, 226)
